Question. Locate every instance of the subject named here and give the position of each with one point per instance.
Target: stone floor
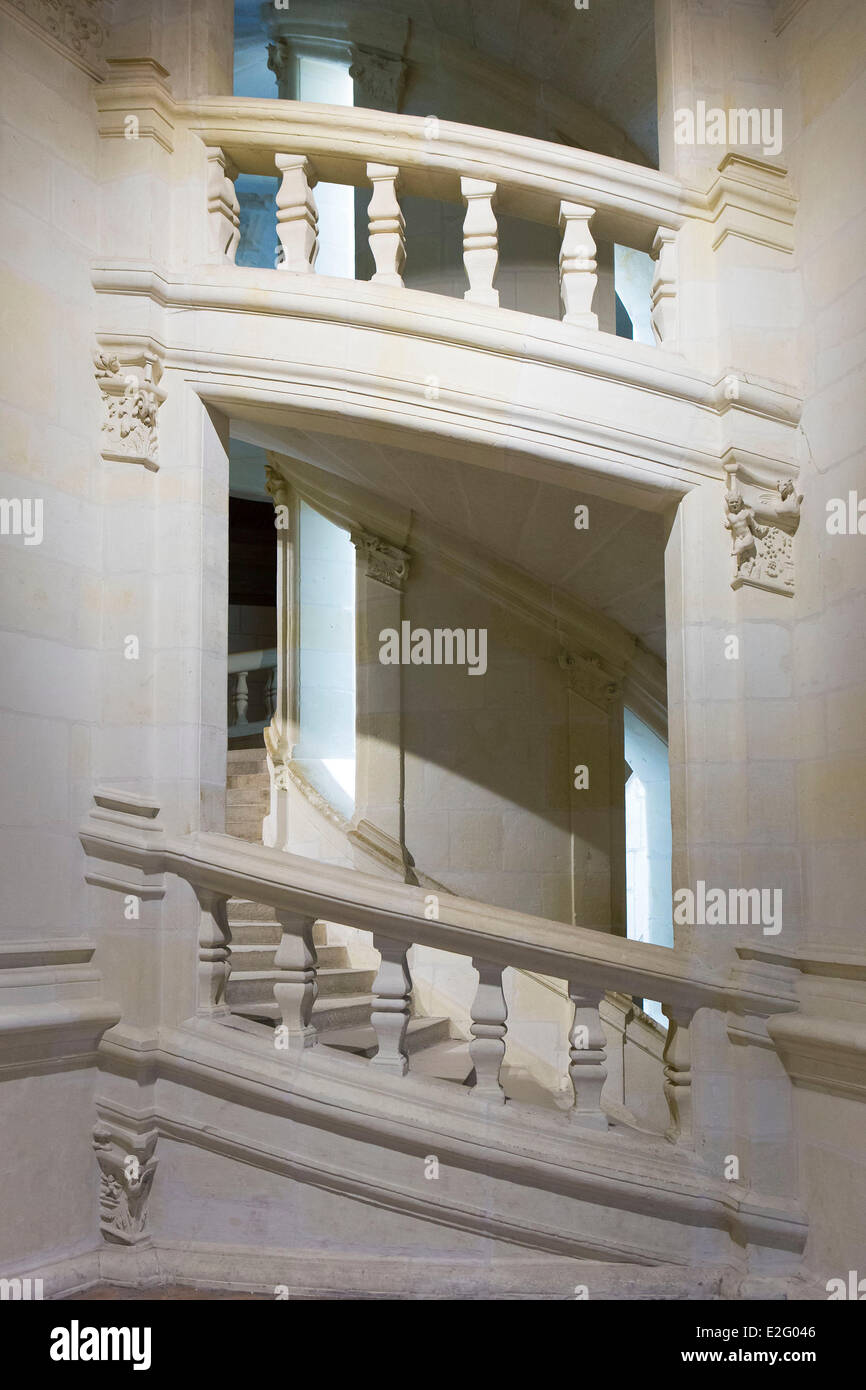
(107, 1292)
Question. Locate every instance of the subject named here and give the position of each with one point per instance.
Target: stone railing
(252, 685)
(302, 891)
(586, 196)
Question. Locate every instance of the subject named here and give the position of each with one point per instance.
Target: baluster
(297, 217)
(296, 988)
(387, 225)
(488, 1029)
(240, 698)
(270, 693)
(586, 1057)
(392, 989)
(577, 264)
(664, 288)
(232, 696)
(222, 205)
(480, 240)
(214, 953)
(678, 1075)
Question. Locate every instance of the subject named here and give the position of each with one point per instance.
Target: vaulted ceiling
(615, 565)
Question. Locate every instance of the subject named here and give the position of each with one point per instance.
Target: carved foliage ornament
(587, 677)
(384, 562)
(131, 398)
(762, 523)
(76, 25)
(127, 1166)
(378, 78)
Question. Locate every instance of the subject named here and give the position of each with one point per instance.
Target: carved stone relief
(384, 562)
(762, 522)
(131, 399)
(127, 1166)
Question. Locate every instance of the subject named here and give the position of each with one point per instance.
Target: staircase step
(243, 910)
(421, 1033)
(343, 979)
(446, 1061)
(336, 1012)
(235, 780)
(335, 974)
(265, 935)
(238, 798)
(244, 827)
(240, 762)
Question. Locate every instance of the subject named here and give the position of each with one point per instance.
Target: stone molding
(530, 1151)
(698, 429)
(752, 199)
(51, 1005)
(135, 102)
(75, 28)
(135, 816)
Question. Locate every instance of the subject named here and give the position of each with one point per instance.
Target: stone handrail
(302, 891)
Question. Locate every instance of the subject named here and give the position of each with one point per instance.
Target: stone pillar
(193, 39)
(382, 571)
(734, 743)
(598, 794)
(722, 127)
(281, 734)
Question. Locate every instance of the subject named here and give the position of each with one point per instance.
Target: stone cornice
(701, 432)
(51, 1008)
(136, 90)
(751, 198)
(821, 1053)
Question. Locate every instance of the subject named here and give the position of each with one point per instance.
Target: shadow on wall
(493, 732)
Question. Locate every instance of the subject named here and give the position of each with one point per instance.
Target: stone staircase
(342, 1009)
(247, 793)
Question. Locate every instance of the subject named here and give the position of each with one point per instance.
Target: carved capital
(125, 1154)
(762, 520)
(587, 677)
(131, 398)
(378, 78)
(279, 58)
(384, 562)
(278, 487)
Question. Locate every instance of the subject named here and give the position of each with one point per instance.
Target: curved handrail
(291, 883)
(532, 176)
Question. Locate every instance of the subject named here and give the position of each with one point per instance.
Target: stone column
(281, 735)
(381, 573)
(597, 794)
(193, 39)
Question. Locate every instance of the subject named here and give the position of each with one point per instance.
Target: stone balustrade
(252, 691)
(588, 197)
(303, 891)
